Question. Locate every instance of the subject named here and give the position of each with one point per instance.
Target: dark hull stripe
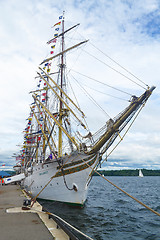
(76, 169)
(75, 163)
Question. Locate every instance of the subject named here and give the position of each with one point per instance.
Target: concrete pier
(16, 224)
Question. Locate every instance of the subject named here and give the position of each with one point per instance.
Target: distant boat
(140, 173)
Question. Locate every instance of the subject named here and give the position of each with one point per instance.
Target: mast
(44, 140)
(61, 94)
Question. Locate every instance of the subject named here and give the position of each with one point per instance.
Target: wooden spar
(61, 99)
(63, 33)
(68, 49)
(48, 74)
(50, 131)
(41, 129)
(51, 115)
(131, 108)
(61, 90)
(61, 95)
(46, 124)
(39, 90)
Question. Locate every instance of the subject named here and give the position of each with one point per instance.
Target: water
(110, 214)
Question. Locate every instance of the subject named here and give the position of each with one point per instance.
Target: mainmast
(61, 94)
(59, 90)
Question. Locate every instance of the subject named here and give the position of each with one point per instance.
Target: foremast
(62, 66)
(64, 109)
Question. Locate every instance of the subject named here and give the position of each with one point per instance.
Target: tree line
(128, 172)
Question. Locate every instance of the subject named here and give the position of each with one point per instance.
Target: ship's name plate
(43, 173)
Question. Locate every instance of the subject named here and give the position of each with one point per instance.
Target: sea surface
(110, 214)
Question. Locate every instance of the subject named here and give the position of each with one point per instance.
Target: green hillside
(128, 172)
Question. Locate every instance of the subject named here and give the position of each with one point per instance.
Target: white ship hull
(69, 186)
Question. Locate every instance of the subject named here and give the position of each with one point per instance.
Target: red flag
(57, 24)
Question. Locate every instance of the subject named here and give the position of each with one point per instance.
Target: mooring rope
(128, 194)
(51, 214)
(34, 199)
(62, 220)
(147, 207)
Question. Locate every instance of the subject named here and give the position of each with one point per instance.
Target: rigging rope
(114, 69)
(147, 207)
(92, 99)
(106, 93)
(126, 130)
(77, 102)
(115, 63)
(61, 167)
(119, 65)
(93, 169)
(101, 82)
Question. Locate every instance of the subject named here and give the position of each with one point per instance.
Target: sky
(126, 30)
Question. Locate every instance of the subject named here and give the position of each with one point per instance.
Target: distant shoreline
(128, 172)
(124, 172)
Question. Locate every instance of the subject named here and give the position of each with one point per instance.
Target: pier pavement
(19, 225)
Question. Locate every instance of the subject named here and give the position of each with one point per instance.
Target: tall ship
(60, 153)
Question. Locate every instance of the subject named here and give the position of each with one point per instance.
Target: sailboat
(57, 159)
(140, 173)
